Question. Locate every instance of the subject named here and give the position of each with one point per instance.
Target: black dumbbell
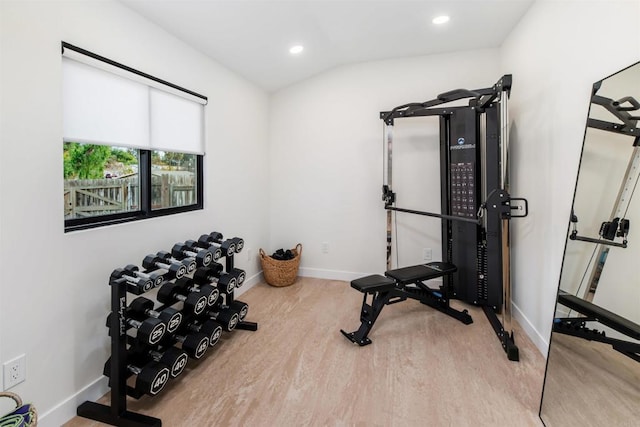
(238, 241)
(173, 358)
(142, 306)
(211, 328)
(135, 285)
(226, 316)
(194, 302)
(156, 276)
(236, 273)
(228, 247)
(195, 345)
(242, 308)
(189, 263)
(213, 274)
(239, 274)
(202, 256)
(189, 285)
(150, 330)
(151, 378)
(239, 244)
(153, 262)
(194, 246)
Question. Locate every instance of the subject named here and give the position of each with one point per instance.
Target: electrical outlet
(426, 254)
(249, 254)
(15, 371)
(325, 247)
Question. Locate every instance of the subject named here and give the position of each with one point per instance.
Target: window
(133, 144)
(100, 180)
(173, 179)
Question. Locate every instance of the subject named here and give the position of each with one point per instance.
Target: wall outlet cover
(14, 371)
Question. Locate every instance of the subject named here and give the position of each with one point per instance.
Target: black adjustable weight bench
(398, 285)
(590, 312)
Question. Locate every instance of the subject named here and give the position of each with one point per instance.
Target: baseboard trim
(319, 273)
(538, 340)
(66, 410)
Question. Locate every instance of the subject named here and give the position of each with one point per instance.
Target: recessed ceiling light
(440, 19)
(297, 49)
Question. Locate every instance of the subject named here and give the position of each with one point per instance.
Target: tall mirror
(593, 367)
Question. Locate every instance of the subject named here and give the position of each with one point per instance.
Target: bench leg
(368, 316)
(442, 305)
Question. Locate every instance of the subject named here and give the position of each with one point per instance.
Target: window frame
(144, 168)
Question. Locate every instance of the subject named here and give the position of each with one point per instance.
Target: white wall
(318, 181)
(556, 52)
(326, 146)
(326, 157)
(54, 285)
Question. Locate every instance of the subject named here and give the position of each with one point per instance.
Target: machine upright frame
(476, 207)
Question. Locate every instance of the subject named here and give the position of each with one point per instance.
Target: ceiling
(253, 37)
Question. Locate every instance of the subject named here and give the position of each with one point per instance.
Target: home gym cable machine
(476, 208)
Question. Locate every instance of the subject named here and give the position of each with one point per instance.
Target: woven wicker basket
(24, 415)
(281, 273)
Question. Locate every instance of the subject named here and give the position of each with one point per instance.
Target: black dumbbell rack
(247, 326)
(117, 414)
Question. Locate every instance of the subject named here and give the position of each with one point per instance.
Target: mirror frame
(596, 86)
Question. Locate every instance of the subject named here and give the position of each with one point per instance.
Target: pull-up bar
(479, 98)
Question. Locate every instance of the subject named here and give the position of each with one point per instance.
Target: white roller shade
(109, 66)
(176, 123)
(102, 108)
(108, 105)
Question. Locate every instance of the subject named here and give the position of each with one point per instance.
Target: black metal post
(117, 414)
(244, 325)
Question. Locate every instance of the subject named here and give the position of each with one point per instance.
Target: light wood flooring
(590, 384)
(423, 369)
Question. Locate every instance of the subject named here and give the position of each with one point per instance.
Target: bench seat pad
(422, 272)
(373, 283)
